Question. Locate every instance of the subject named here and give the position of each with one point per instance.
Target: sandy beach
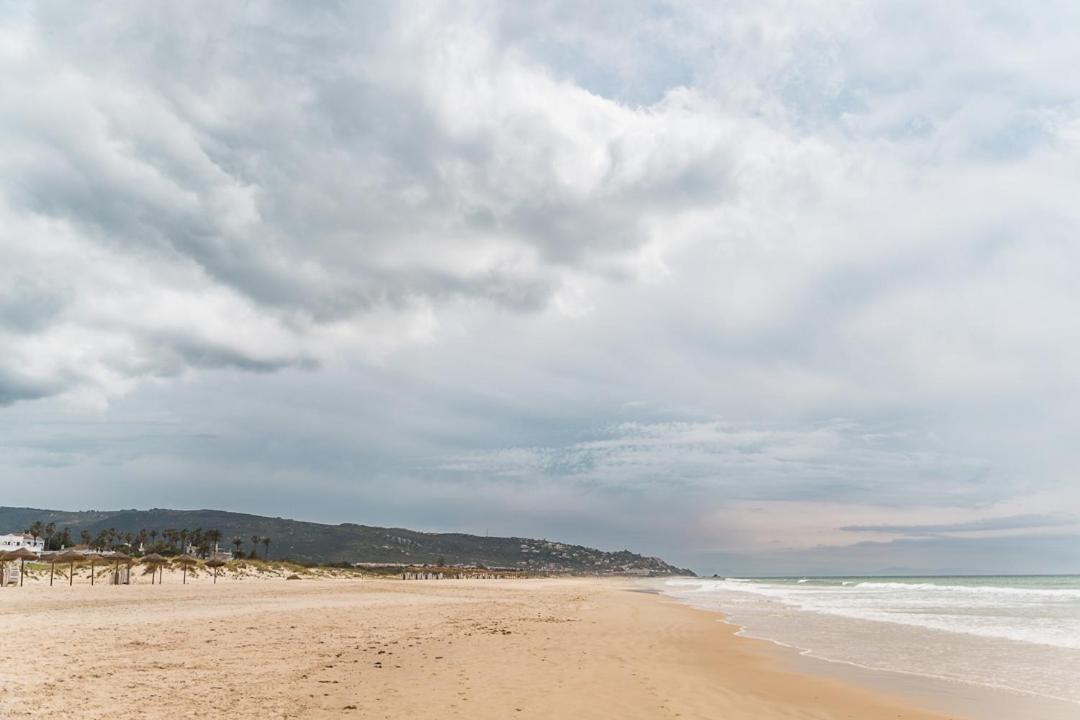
(391, 649)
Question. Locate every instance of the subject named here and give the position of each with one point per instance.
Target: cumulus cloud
(641, 250)
(315, 170)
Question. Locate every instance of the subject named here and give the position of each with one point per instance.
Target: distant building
(14, 541)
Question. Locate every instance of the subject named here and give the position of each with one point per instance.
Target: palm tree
(266, 548)
(255, 540)
(50, 530)
(35, 530)
(85, 537)
(198, 541)
(237, 542)
(213, 537)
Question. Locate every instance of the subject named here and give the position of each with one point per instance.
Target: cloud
(634, 255)
(338, 177)
(748, 462)
(1007, 523)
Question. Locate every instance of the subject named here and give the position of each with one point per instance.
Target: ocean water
(1019, 634)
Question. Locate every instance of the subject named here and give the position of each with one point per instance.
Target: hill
(319, 543)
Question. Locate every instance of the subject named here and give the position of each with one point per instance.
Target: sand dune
(391, 649)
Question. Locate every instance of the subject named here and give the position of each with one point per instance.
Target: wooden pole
(52, 571)
(71, 573)
(22, 570)
(91, 572)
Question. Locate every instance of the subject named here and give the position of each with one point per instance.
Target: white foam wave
(1046, 616)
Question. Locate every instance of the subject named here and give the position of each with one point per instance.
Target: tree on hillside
(266, 548)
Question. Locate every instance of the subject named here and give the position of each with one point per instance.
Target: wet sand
(568, 648)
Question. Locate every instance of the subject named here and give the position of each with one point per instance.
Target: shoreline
(545, 648)
(950, 696)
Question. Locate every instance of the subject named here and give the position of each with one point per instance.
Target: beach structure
(185, 561)
(155, 562)
(120, 576)
(6, 569)
(10, 542)
(15, 572)
(70, 557)
(22, 555)
(215, 564)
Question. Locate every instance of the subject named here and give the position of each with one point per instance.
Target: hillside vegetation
(319, 543)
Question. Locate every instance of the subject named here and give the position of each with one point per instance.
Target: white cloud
(629, 220)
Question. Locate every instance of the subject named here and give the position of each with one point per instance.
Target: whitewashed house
(14, 541)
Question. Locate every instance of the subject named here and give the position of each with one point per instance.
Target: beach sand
(559, 648)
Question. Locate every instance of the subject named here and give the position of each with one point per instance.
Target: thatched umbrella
(155, 562)
(215, 563)
(70, 557)
(22, 555)
(117, 558)
(186, 561)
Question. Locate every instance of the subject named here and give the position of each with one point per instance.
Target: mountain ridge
(312, 542)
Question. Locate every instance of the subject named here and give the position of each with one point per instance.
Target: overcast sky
(759, 287)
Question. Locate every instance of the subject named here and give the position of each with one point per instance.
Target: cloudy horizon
(766, 288)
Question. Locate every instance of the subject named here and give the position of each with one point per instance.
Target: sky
(758, 287)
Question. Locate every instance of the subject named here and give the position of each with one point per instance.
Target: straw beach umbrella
(154, 561)
(22, 555)
(70, 557)
(186, 561)
(118, 558)
(215, 563)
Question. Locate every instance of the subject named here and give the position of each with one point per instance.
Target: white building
(14, 541)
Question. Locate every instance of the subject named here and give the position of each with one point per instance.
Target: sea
(1015, 635)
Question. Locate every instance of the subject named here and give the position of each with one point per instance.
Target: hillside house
(14, 541)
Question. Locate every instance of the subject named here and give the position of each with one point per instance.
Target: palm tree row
(170, 541)
(256, 540)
